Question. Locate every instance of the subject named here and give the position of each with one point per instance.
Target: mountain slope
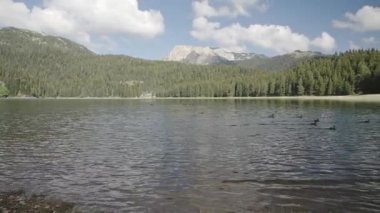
(24, 40)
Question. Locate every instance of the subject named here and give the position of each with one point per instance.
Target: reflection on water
(193, 155)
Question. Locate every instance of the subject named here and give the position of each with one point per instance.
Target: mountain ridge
(207, 55)
(11, 35)
(181, 53)
(213, 55)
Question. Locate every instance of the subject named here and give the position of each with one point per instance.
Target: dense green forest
(44, 66)
(4, 92)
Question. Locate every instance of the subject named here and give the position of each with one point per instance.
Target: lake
(194, 155)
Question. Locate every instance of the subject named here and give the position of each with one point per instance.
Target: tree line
(53, 72)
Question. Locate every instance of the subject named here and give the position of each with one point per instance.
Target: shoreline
(356, 98)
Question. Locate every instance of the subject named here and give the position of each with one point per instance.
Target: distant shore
(356, 98)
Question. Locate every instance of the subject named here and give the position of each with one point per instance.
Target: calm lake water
(194, 155)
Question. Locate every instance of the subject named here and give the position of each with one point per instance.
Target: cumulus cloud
(279, 38)
(80, 20)
(232, 8)
(365, 19)
(369, 40)
(326, 42)
(236, 37)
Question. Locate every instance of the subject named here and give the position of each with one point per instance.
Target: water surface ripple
(194, 155)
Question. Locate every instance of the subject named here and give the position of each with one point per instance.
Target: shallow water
(194, 155)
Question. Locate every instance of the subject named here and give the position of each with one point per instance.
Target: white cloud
(365, 19)
(243, 5)
(279, 38)
(235, 37)
(80, 20)
(369, 40)
(203, 8)
(353, 45)
(326, 42)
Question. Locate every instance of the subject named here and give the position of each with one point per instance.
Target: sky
(151, 28)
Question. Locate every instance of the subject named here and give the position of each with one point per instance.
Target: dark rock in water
(332, 128)
(365, 122)
(314, 123)
(18, 201)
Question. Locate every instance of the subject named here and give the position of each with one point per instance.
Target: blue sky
(151, 28)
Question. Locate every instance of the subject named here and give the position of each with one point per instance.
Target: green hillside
(26, 40)
(33, 64)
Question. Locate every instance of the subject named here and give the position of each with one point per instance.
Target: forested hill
(33, 64)
(21, 40)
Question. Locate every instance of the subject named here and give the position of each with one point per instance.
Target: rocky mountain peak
(206, 55)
